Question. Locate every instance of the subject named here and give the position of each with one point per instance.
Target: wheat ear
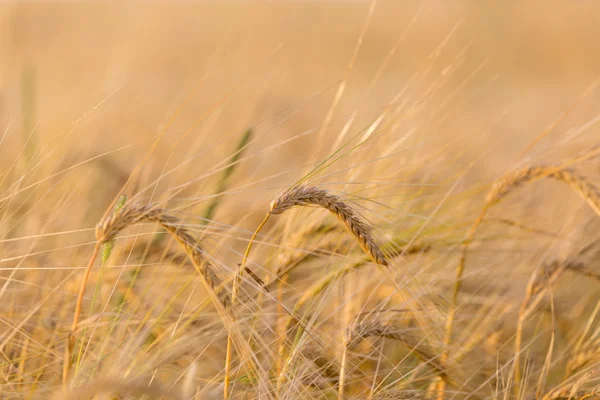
(312, 195)
(375, 328)
(111, 226)
(590, 353)
(500, 189)
(108, 229)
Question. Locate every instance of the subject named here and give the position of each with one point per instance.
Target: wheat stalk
(377, 327)
(360, 229)
(500, 189)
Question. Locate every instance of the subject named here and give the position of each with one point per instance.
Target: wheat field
(299, 200)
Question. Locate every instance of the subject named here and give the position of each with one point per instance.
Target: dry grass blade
(312, 195)
(503, 187)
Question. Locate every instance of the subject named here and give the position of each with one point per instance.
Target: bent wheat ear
(578, 183)
(312, 195)
(137, 213)
(107, 230)
(374, 328)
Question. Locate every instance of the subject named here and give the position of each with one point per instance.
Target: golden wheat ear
(375, 328)
(379, 327)
(312, 195)
(107, 229)
(578, 183)
(132, 214)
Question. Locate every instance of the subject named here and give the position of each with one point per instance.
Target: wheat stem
(70, 337)
(234, 294)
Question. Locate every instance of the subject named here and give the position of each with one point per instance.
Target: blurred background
(115, 73)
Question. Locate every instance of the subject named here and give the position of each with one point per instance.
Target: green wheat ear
(107, 248)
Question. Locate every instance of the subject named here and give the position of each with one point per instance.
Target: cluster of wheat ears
(437, 358)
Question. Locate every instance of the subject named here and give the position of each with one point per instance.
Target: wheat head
(107, 230)
(376, 328)
(312, 195)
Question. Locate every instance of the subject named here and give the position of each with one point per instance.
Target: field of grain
(299, 200)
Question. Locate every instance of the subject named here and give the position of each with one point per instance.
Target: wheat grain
(326, 367)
